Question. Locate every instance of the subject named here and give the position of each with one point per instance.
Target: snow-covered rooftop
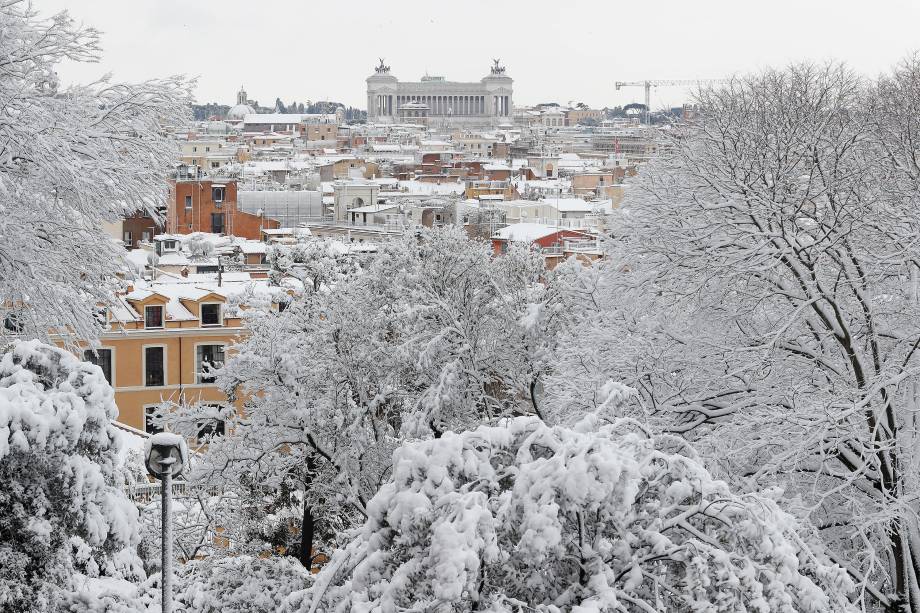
(525, 232)
(274, 117)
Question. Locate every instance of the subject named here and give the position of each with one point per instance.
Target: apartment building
(157, 349)
(134, 229)
(211, 154)
(201, 204)
(573, 117)
(321, 128)
(161, 339)
(484, 189)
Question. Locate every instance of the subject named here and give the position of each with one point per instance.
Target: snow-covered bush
(106, 595)
(528, 517)
(244, 584)
(61, 510)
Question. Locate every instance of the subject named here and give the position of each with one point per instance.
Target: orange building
(205, 205)
(158, 345)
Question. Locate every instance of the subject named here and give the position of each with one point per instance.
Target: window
(188, 202)
(217, 194)
(101, 358)
(194, 149)
(207, 149)
(210, 428)
(210, 314)
(154, 366)
(12, 322)
(153, 316)
(169, 245)
(149, 426)
(145, 235)
(128, 239)
(217, 223)
(208, 357)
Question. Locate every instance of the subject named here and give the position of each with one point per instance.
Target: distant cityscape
(430, 153)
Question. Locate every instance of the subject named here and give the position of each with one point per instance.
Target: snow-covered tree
(313, 262)
(72, 159)
(197, 526)
(528, 517)
(762, 296)
(62, 512)
(432, 334)
(199, 246)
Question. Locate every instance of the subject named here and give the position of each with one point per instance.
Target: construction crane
(648, 85)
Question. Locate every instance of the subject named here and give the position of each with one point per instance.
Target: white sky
(555, 51)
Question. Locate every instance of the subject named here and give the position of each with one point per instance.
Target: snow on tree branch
(761, 296)
(71, 159)
(524, 516)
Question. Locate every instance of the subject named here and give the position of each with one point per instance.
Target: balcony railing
(145, 492)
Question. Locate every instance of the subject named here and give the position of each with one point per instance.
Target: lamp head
(165, 453)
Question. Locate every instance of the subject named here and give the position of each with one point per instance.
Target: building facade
(353, 194)
(437, 101)
(157, 348)
(198, 204)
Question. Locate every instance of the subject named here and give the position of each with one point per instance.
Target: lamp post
(166, 454)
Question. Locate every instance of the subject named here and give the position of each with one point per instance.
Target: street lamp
(166, 454)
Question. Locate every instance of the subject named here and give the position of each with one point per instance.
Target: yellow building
(478, 189)
(574, 117)
(159, 342)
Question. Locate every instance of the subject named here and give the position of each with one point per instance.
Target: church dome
(242, 108)
(239, 111)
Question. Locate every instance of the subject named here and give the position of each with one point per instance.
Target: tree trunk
(904, 573)
(308, 522)
(306, 535)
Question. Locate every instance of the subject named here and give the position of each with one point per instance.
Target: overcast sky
(555, 51)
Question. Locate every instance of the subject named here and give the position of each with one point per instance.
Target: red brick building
(205, 205)
(541, 236)
(139, 227)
